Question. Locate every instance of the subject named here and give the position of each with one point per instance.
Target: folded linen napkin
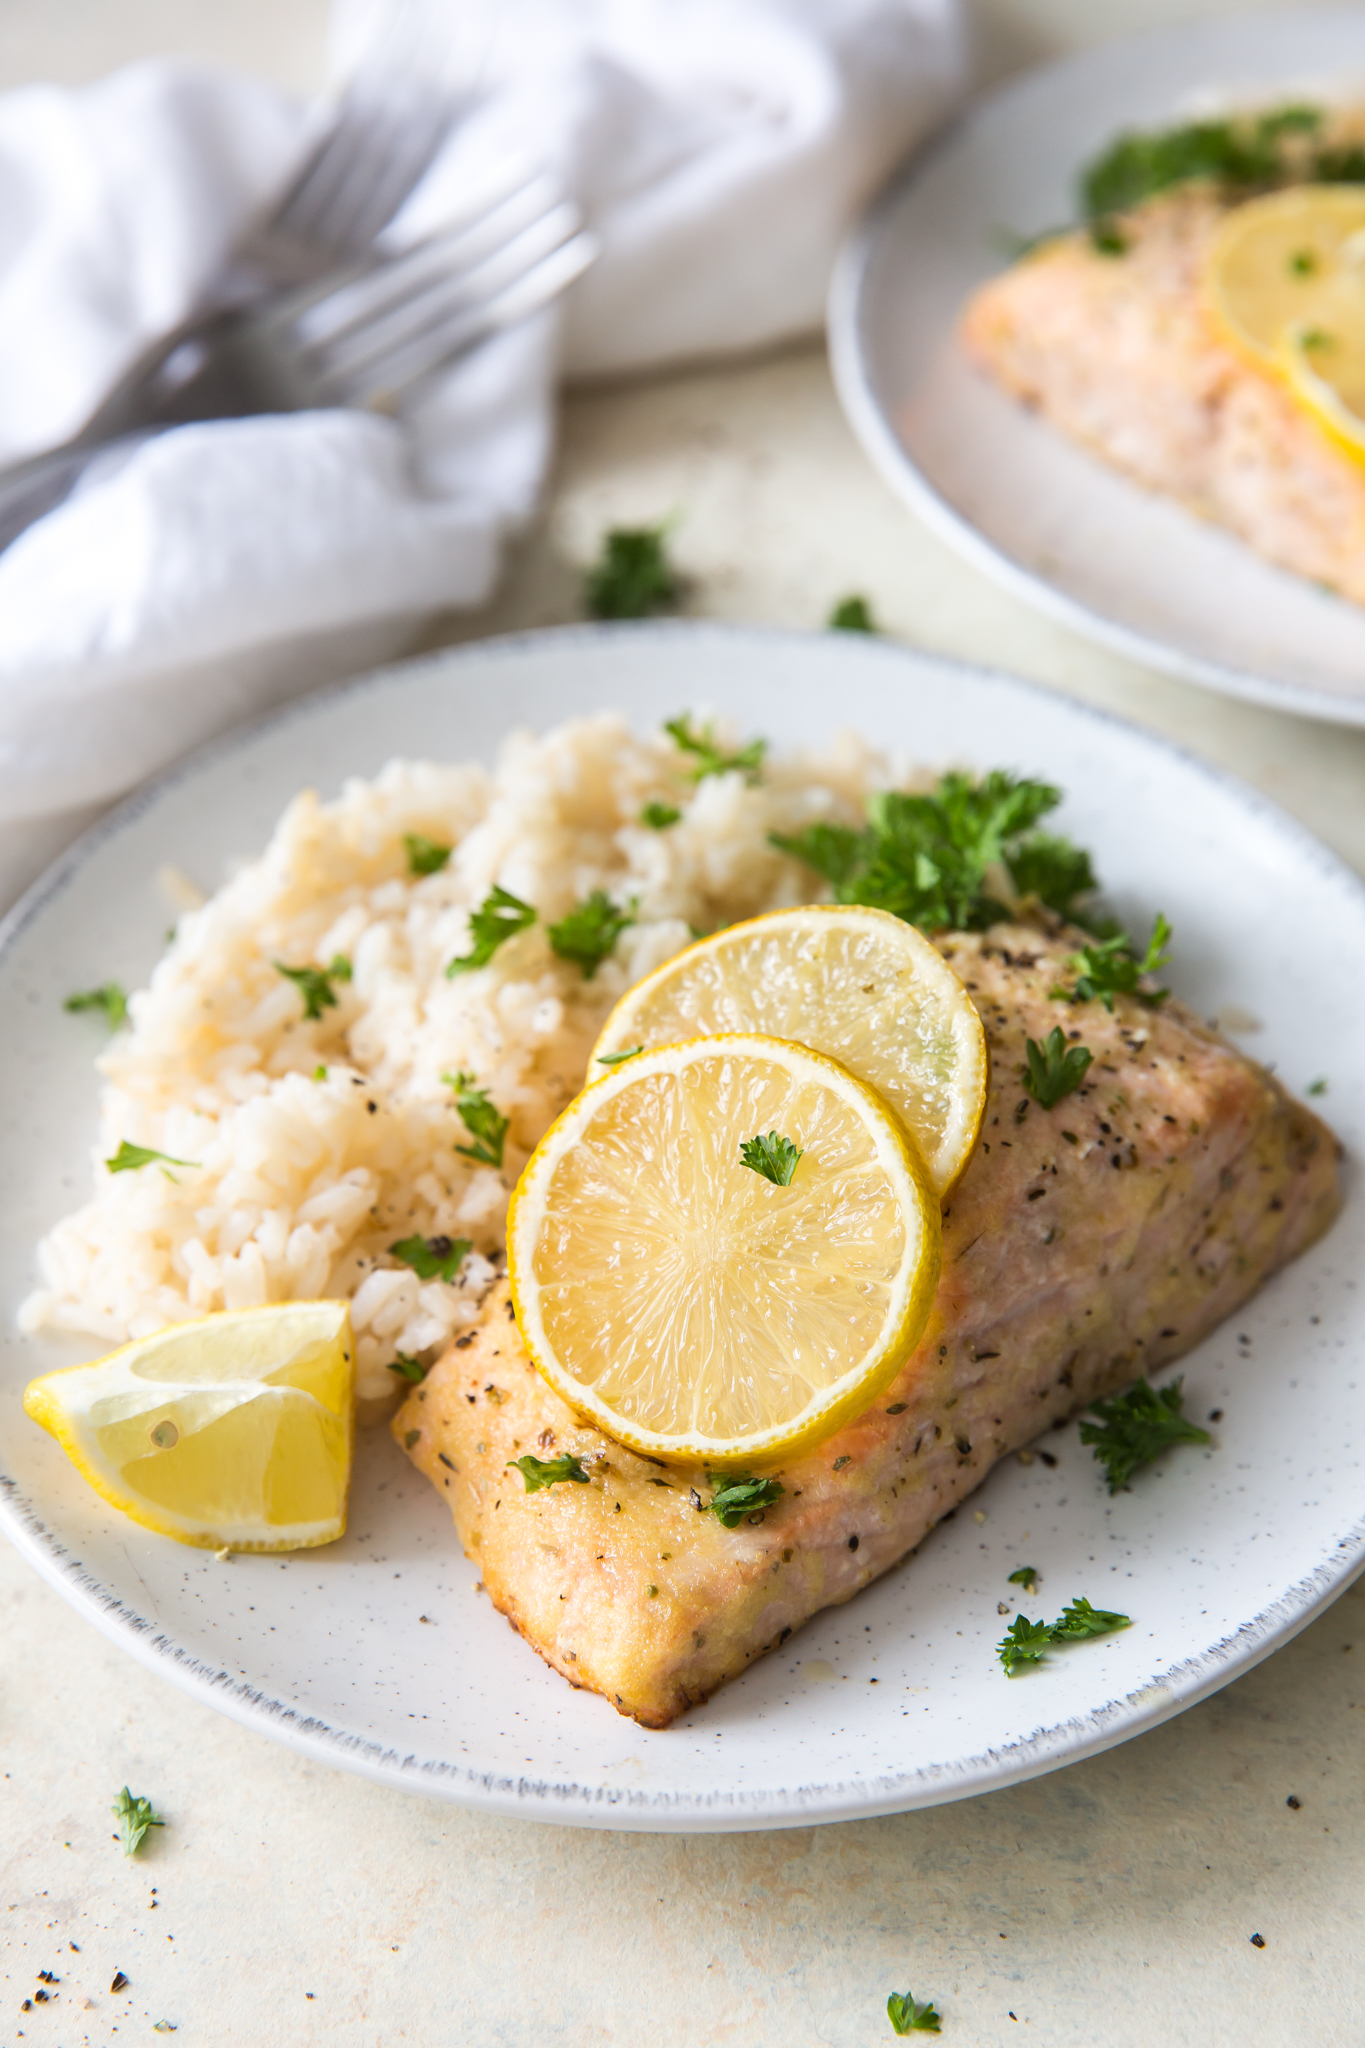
(718, 147)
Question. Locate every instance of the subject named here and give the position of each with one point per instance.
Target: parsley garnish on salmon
(538, 1472)
(739, 1496)
(1054, 1069)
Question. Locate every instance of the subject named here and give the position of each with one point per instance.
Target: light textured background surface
(1110, 1904)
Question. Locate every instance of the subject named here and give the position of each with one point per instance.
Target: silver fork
(372, 336)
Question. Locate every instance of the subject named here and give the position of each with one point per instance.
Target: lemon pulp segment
(234, 1431)
(687, 1305)
(856, 983)
(1290, 258)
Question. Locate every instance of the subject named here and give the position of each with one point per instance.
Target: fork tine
(454, 327)
(381, 171)
(432, 298)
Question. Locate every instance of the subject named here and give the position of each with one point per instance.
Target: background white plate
(1218, 1556)
(1051, 522)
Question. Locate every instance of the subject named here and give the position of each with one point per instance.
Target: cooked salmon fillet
(1118, 352)
(1085, 1244)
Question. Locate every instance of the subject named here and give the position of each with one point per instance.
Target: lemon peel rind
(953, 1154)
(902, 1327)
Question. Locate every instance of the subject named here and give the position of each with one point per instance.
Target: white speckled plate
(1044, 517)
(897, 1699)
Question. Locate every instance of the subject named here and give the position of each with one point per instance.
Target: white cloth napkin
(718, 147)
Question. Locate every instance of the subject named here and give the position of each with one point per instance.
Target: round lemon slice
(694, 1307)
(1326, 371)
(1293, 258)
(859, 984)
(231, 1432)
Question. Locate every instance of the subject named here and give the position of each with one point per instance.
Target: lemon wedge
(235, 1431)
(695, 1308)
(1293, 259)
(859, 984)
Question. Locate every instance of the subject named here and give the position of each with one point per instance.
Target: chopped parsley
(498, 918)
(411, 1369)
(590, 931)
(1054, 1068)
(929, 859)
(1109, 968)
(1028, 1642)
(614, 1059)
(1136, 1427)
(633, 575)
(908, 2016)
(708, 758)
(538, 1472)
(433, 1258)
(484, 1123)
(659, 816)
(1318, 1087)
(129, 1157)
(1241, 156)
(425, 856)
(314, 984)
(320, 1071)
(852, 615)
(739, 1495)
(1027, 1576)
(1302, 263)
(134, 1816)
(1314, 337)
(109, 997)
(773, 1156)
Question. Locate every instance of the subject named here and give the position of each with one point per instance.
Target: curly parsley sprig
(1136, 1427)
(1109, 967)
(1028, 1642)
(134, 1816)
(1055, 1069)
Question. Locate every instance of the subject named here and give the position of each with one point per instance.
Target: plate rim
(857, 393)
(524, 1796)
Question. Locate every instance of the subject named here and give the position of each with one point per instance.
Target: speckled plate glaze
(1048, 520)
(378, 1655)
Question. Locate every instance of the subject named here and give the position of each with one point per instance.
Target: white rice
(299, 1184)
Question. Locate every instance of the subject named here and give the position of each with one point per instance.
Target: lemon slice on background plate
(693, 1308)
(232, 1431)
(1326, 371)
(1293, 258)
(858, 984)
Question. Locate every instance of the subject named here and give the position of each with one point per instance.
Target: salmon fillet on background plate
(1085, 1245)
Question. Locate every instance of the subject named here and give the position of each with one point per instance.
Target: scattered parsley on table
(908, 2016)
(109, 998)
(852, 615)
(1136, 1427)
(632, 576)
(590, 931)
(773, 1156)
(498, 918)
(134, 1816)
